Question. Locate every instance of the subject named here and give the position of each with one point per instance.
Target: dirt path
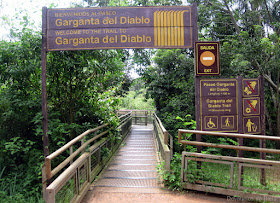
(135, 195)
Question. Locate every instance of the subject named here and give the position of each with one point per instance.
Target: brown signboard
(121, 27)
(218, 101)
(230, 105)
(207, 58)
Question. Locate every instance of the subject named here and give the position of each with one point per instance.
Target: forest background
(86, 87)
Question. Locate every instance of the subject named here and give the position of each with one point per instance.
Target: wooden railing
(164, 142)
(247, 178)
(91, 155)
(139, 117)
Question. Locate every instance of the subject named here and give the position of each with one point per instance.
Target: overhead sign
(207, 58)
(121, 27)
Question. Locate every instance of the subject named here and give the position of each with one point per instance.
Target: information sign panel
(230, 105)
(121, 27)
(219, 105)
(207, 58)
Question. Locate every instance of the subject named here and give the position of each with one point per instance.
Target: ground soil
(145, 195)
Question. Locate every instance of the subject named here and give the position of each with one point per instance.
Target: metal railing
(250, 179)
(94, 151)
(164, 142)
(139, 117)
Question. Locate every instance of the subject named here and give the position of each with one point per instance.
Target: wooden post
(44, 82)
(262, 125)
(44, 87)
(198, 113)
(240, 117)
(146, 117)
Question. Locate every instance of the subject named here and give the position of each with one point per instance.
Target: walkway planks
(131, 176)
(135, 163)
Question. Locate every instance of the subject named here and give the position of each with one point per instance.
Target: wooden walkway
(131, 175)
(135, 163)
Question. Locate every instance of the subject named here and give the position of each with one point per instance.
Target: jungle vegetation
(84, 87)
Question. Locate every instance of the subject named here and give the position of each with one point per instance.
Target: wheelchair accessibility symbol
(211, 122)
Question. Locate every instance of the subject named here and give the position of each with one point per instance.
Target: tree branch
(232, 18)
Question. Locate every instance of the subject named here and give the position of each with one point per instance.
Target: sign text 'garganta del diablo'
(219, 104)
(121, 27)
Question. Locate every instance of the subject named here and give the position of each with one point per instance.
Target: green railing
(86, 155)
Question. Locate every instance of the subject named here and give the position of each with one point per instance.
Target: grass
(220, 173)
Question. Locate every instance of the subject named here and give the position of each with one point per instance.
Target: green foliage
(82, 92)
(136, 98)
(172, 179)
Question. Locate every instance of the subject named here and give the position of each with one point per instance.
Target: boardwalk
(135, 163)
(131, 176)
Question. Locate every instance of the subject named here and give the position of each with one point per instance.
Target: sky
(13, 9)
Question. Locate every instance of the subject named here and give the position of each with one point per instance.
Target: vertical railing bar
(71, 152)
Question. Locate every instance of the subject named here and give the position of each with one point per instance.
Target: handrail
(164, 131)
(237, 185)
(50, 173)
(72, 156)
(84, 160)
(75, 140)
(165, 147)
(139, 116)
(234, 135)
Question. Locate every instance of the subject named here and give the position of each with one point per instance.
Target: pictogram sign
(251, 106)
(251, 125)
(207, 58)
(227, 122)
(250, 87)
(211, 122)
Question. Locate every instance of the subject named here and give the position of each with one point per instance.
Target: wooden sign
(218, 105)
(230, 105)
(207, 58)
(121, 27)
